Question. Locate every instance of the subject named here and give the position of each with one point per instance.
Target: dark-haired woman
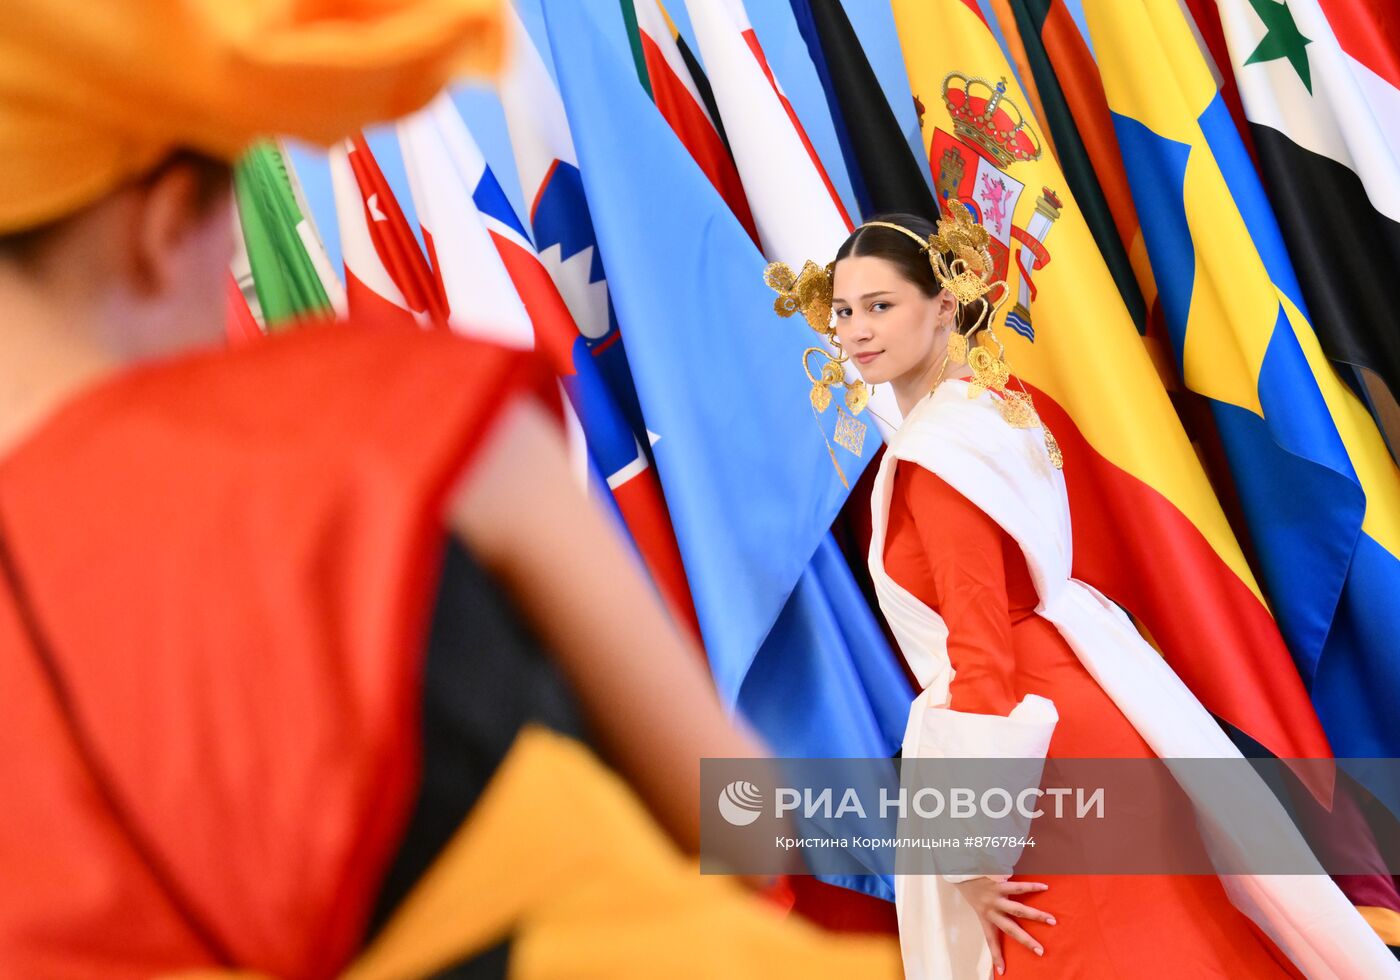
(971, 558)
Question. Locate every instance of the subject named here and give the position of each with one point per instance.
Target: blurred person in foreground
(271, 620)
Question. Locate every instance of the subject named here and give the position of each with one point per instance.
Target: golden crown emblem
(982, 114)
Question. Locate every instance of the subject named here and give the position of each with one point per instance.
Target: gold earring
(957, 347)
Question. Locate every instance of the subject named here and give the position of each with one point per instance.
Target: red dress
(963, 565)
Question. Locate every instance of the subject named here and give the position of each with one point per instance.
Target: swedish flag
(1320, 493)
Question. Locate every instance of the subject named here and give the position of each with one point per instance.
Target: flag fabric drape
(1321, 94)
(790, 640)
(885, 177)
(1145, 516)
(1321, 495)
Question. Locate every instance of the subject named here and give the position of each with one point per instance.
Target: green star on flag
(1282, 40)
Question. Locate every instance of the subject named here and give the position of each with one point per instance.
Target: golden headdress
(962, 263)
(93, 92)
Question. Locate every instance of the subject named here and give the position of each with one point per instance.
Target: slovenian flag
(567, 251)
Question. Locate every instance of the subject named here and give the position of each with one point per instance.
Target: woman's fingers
(993, 935)
(1021, 887)
(1020, 911)
(1008, 925)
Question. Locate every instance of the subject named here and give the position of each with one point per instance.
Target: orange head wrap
(93, 93)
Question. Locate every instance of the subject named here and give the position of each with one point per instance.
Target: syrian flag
(495, 286)
(1320, 81)
(796, 209)
(386, 275)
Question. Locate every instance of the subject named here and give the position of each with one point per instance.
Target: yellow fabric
(93, 92)
(1167, 85)
(1087, 355)
(561, 857)
(1386, 923)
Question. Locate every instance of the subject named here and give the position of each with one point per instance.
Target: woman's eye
(842, 314)
(879, 306)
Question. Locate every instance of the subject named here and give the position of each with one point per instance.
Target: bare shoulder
(519, 482)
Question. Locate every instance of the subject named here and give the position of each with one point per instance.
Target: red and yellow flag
(1148, 529)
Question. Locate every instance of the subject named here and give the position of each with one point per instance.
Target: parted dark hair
(901, 252)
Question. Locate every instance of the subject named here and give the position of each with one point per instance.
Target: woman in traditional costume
(300, 644)
(970, 557)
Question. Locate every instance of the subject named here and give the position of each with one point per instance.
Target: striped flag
(1320, 81)
(466, 241)
(493, 279)
(1320, 494)
(558, 215)
(673, 78)
(884, 176)
(1075, 111)
(796, 208)
(1327, 544)
(1148, 529)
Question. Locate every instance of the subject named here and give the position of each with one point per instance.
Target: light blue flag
(745, 466)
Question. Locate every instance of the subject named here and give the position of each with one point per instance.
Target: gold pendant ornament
(957, 348)
(857, 397)
(850, 432)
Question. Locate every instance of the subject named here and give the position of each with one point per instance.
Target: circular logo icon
(740, 803)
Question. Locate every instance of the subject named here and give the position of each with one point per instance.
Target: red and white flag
(796, 208)
(386, 275)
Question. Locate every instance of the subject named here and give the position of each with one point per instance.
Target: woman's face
(884, 322)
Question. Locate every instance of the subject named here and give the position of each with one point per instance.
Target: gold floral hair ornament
(809, 293)
(962, 263)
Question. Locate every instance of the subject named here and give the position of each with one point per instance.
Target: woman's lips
(867, 357)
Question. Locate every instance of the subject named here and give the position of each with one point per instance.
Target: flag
(386, 274)
(242, 328)
(1321, 92)
(289, 270)
(1148, 530)
(796, 208)
(491, 276)
(1075, 111)
(885, 177)
(750, 486)
(449, 180)
(673, 78)
(1321, 495)
(558, 215)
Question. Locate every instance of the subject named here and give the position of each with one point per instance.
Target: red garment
(963, 565)
(230, 558)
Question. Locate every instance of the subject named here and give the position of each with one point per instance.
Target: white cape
(1007, 473)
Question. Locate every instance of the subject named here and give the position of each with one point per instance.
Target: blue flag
(745, 465)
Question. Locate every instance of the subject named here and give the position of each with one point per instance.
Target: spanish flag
(1148, 529)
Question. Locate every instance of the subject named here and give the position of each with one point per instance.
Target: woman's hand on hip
(992, 899)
